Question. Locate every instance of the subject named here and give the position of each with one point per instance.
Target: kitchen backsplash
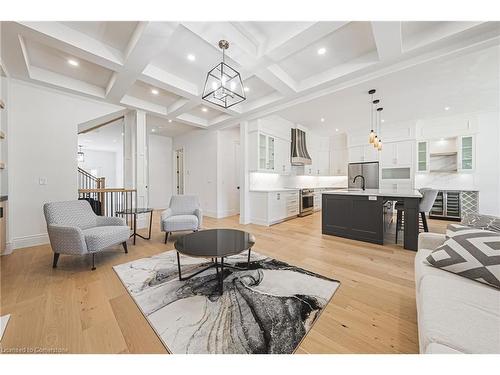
(275, 181)
(445, 181)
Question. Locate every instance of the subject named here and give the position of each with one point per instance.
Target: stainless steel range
(306, 202)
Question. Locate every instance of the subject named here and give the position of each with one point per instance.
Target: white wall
(42, 144)
(160, 171)
(228, 172)
(200, 167)
(104, 163)
(4, 91)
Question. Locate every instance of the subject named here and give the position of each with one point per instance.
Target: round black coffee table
(215, 244)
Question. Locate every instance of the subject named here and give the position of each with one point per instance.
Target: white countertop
(272, 190)
(404, 193)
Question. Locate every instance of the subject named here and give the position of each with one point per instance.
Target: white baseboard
(227, 213)
(210, 214)
(28, 241)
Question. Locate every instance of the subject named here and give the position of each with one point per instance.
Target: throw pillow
(486, 222)
(472, 254)
(455, 229)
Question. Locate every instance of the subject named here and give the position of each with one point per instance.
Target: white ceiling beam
(288, 46)
(181, 106)
(242, 49)
(137, 103)
(148, 40)
(278, 79)
(189, 119)
(62, 37)
(168, 81)
(388, 39)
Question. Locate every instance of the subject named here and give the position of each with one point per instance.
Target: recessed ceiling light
(322, 51)
(154, 92)
(153, 130)
(336, 130)
(123, 134)
(191, 57)
(204, 109)
(73, 62)
(247, 89)
(382, 120)
(322, 119)
(169, 120)
(446, 108)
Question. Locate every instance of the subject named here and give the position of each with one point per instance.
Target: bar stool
(426, 202)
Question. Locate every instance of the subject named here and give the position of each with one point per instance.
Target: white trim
(31, 240)
(210, 214)
(227, 213)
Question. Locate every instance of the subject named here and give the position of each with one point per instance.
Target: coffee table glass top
(138, 210)
(214, 243)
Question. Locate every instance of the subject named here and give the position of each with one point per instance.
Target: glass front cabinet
(466, 153)
(266, 152)
(422, 156)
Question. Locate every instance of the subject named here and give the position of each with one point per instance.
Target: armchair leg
(166, 237)
(56, 258)
(124, 244)
(93, 262)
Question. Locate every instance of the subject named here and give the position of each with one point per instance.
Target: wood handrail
(89, 175)
(110, 190)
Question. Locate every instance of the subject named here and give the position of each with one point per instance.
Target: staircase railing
(107, 202)
(87, 180)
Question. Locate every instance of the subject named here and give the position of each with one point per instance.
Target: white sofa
(455, 314)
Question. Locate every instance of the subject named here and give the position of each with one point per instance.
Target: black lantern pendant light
(223, 85)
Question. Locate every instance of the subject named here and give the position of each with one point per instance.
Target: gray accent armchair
(184, 213)
(75, 229)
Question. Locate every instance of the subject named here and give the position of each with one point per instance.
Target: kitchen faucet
(362, 181)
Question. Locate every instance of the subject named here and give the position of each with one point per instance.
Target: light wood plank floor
(74, 310)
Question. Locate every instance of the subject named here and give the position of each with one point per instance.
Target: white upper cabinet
(422, 156)
(262, 152)
(319, 150)
(363, 153)
(338, 155)
(269, 145)
(282, 155)
(397, 154)
(466, 152)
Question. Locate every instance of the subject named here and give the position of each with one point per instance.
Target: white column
(244, 177)
(141, 170)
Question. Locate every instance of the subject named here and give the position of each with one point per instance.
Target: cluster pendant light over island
(373, 137)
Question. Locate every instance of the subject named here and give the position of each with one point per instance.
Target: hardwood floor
(72, 309)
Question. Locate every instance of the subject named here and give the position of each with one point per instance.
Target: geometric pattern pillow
(473, 254)
(486, 222)
(454, 229)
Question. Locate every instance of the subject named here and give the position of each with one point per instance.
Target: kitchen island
(358, 214)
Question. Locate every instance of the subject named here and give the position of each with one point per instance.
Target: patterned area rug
(268, 308)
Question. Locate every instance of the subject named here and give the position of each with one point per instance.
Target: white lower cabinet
(317, 200)
(271, 207)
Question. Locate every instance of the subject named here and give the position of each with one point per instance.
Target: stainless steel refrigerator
(368, 170)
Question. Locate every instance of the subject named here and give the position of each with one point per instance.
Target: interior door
(235, 191)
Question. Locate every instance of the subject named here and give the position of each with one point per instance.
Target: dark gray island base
(358, 214)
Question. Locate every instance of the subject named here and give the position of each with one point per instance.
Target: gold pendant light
(371, 137)
(379, 143)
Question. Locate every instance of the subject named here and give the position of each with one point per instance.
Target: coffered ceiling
(160, 67)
